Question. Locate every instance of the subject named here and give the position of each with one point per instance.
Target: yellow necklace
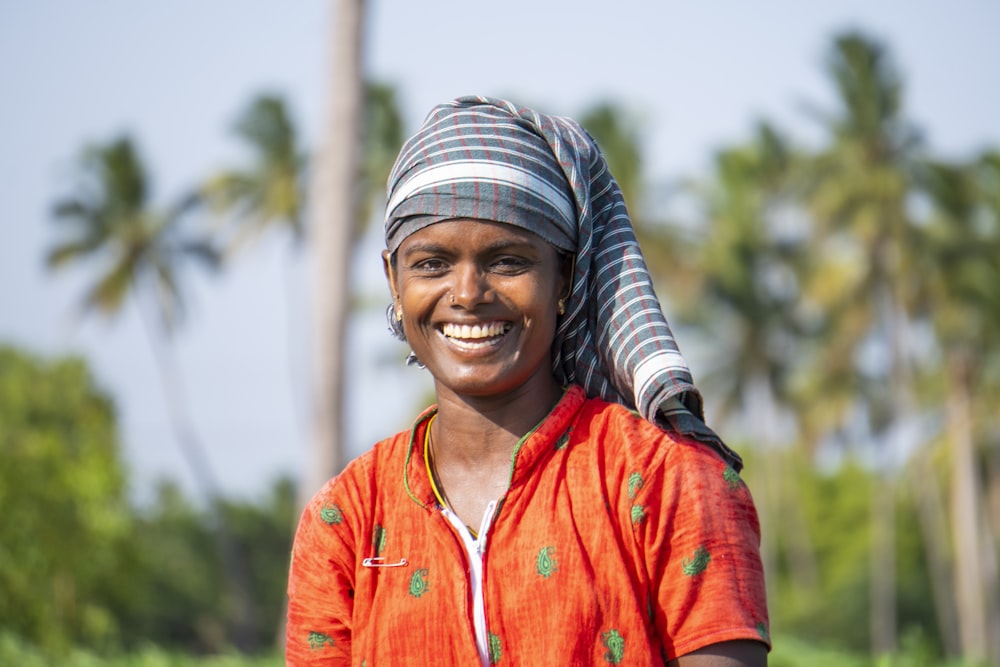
(427, 462)
(438, 494)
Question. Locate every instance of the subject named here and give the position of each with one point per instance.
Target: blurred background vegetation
(846, 293)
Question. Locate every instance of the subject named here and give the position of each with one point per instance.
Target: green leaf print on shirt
(418, 582)
(615, 643)
(331, 514)
(562, 441)
(638, 514)
(545, 564)
(762, 631)
(697, 564)
(635, 483)
(732, 477)
(495, 647)
(378, 539)
(318, 640)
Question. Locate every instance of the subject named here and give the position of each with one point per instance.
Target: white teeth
(476, 331)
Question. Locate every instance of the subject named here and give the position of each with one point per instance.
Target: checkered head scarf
(478, 157)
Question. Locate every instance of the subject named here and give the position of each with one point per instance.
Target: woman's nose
(471, 287)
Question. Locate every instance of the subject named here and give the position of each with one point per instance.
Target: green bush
(16, 652)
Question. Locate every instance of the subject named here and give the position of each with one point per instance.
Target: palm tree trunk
(966, 515)
(892, 324)
(933, 527)
(991, 586)
(758, 410)
(234, 561)
(798, 547)
(333, 211)
(883, 566)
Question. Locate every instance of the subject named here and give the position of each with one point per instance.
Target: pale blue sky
(175, 74)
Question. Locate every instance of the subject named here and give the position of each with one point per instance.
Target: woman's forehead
(469, 232)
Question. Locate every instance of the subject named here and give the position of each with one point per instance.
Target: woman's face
(479, 304)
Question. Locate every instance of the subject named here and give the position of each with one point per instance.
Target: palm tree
(858, 195)
(139, 252)
(269, 193)
(751, 267)
(961, 274)
(334, 208)
(616, 131)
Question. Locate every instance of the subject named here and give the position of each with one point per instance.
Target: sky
(174, 76)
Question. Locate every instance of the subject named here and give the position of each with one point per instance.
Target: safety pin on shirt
(380, 562)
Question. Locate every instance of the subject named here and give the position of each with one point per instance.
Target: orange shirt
(616, 543)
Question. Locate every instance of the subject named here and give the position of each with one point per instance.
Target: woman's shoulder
(621, 434)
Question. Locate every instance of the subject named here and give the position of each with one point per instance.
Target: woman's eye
(510, 264)
(429, 265)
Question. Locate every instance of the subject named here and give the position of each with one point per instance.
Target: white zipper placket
(476, 550)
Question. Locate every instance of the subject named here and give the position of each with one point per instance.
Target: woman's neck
(483, 432)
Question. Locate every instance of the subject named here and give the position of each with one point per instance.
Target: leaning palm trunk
(893, 322)
(333, 210)
(234, 559)
(966, 515)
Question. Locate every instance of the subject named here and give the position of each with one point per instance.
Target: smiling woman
(563, 502)
(478, 303)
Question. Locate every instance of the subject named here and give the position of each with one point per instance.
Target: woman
(563, 503)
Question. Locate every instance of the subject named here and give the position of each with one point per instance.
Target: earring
(561, 306)
(394, 318)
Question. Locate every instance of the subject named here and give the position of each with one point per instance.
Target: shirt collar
(550, 434)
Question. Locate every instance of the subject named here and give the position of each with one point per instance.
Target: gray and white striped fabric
(484, 158)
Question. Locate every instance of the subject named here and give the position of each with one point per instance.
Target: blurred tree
(617, 132)
(178, 600)
(334, 203)
(751, 265)
(109, 221)
(961, 272)
(382, 137)
(268, 193)
(265, 529)
(66, 516)
(858, 196)
(139, 252)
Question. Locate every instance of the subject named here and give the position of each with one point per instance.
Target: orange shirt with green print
(616, 543)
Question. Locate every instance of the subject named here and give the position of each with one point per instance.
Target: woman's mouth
(475, 336)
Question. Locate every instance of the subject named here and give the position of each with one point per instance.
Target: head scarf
(484, 158)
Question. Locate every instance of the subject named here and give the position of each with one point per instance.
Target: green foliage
(80, 566)
(268, 191)
(792, 651)
(180, 599)
(14, 651)
(64, 537)
(617, 133)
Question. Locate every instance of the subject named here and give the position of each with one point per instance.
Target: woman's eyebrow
(425, 247)
(430, 247)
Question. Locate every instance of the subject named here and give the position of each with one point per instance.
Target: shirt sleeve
(321, 581)
(701, 541)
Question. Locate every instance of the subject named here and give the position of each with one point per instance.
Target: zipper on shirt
(475, 553)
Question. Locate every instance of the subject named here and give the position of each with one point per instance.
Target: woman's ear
(388, 265)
